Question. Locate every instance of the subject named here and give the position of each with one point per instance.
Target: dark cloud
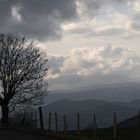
(120, 1)
(108, 31)
(91, 8)
(5, 10)
(81, 30)
(135, 25)
(112, 31)
(40, 19)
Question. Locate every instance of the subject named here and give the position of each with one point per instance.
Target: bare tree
(23, 69)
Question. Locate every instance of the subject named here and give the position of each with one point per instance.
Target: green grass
(107, 134)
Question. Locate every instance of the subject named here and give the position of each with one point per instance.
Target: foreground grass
(107, 134)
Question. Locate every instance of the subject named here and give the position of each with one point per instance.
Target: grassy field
(107, 134)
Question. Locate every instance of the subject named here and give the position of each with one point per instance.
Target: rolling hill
(103, 109)
(103, 100)
(132, 122)
(115, 92)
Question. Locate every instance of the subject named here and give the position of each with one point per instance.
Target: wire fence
(69, 123)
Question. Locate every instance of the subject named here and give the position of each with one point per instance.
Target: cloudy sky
(88, 42)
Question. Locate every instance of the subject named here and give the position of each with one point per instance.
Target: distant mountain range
(122, 98)
(113, 92)
(103, 109)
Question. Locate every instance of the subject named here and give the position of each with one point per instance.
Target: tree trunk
(5, 117)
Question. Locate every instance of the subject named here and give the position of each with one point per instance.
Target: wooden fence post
(41, 118)
(78, 124)
(14, 119)
(27, 120)
(65, 125)
(139, 122)
(56, 122)
(23, 120)
(114, 126)
(94, 126)
(35, 120)
(32, 120)
(139, 119)
(50, 118)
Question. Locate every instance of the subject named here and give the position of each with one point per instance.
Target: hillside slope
(104, 112)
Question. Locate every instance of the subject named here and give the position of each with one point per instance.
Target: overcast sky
(88, 42)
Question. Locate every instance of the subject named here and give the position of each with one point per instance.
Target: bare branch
(23, 68)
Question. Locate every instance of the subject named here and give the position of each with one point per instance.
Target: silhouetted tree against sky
(23, 69)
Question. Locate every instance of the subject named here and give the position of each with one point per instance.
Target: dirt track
(8, 134)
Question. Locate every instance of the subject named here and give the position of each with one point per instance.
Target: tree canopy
(23, 69)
